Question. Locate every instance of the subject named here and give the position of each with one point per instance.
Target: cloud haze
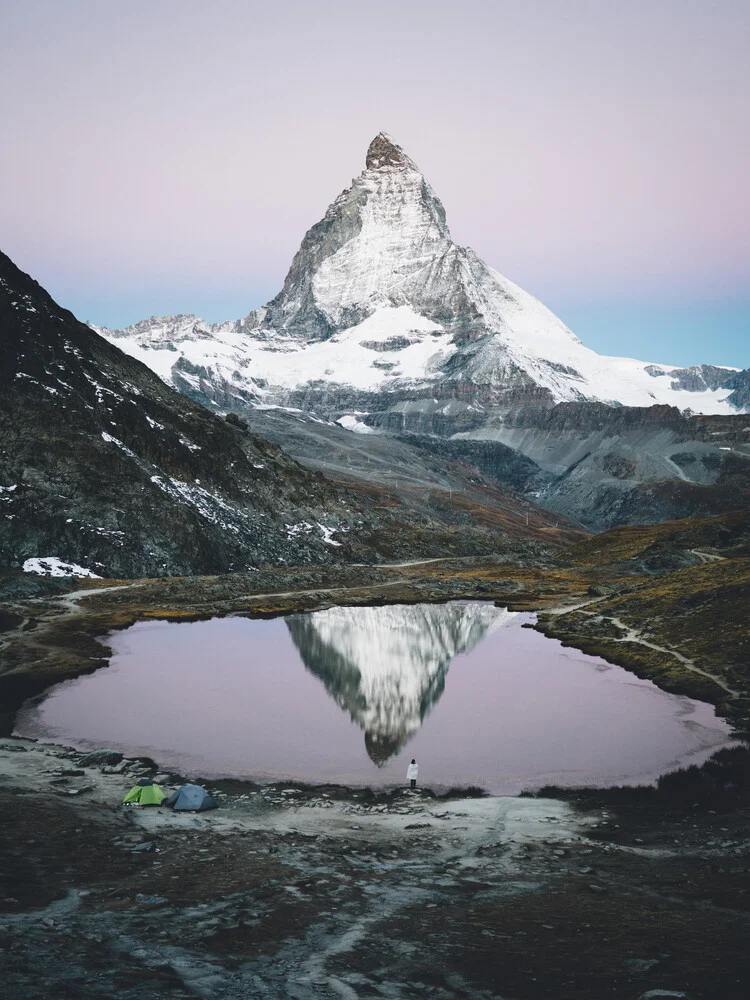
(169, 156)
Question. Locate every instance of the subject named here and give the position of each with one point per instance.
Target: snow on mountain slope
(380, 300)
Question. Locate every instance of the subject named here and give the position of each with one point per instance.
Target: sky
(165, 156)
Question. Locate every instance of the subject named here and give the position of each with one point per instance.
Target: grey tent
(190, 798)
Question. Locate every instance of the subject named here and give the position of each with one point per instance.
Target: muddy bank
(312, 893)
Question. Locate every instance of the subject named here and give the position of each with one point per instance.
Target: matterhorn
(381, 306)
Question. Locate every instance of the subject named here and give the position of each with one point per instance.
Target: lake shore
(308, 892)
(568, 895)
(50, 632)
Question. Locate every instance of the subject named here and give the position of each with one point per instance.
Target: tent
(190, 798)
(145, 793)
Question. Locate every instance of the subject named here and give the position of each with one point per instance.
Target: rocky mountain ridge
(106, 471)
(380, 307)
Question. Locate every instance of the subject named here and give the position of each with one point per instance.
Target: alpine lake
(351, 695)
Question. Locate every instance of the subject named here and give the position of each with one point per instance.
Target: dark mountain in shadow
(104, 466)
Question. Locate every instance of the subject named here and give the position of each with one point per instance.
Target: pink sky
(170, 156)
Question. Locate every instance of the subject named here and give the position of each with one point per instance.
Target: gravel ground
(320, 892)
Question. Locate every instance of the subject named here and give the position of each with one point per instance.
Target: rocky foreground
(332, 892)
(327, 892)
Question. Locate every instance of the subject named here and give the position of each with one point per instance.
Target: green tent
(145, 793)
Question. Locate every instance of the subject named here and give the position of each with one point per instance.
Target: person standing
(412, 772)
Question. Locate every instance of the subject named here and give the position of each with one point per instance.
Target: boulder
(101, 756)
(663, 995)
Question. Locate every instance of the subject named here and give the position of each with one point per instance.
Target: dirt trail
(635, 636)
(707, 557)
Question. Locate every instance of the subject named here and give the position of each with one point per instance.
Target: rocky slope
(385, 326)
(625, 465)
(103, 466)
(106, 471)
(597, 465)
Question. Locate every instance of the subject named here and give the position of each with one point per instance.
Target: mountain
(385, 328)
(106, 471)
(387, 666)
(381, 308)
(105, 467)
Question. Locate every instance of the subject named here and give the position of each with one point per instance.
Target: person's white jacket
(412, 772)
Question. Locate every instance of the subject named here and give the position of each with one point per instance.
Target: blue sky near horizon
(679, 334)
(169, 158)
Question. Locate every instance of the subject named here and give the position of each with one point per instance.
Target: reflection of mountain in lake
(387, 666)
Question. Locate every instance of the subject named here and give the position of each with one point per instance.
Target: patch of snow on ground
(52, 566)
(350, 423)
(327, 532)
(301, 528)
(113, 440)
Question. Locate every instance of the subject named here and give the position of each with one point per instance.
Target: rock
(81, 791)
(101, 756)
(640, 964)
(147, 900)
(147, 845)
(662, 995)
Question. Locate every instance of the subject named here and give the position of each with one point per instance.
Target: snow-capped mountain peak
(383, 151)
(380, 304)
(384, 242)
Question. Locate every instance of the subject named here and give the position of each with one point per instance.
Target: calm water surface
(352, 694)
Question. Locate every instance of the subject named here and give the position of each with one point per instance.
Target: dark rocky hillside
(609, 466)
(597, 465)
(104, 466)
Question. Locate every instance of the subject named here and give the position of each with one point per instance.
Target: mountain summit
(380, 306)
(383, 151)
(383, 244)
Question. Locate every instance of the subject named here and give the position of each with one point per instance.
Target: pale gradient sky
(168, 155)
